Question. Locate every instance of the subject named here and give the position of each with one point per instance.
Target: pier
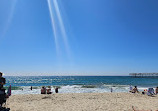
(143, 74)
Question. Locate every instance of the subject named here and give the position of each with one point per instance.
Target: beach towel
(150, 92)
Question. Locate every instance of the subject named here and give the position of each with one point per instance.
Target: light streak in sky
(63, 32)
(53, 26)
(56, 14)
(10, 17)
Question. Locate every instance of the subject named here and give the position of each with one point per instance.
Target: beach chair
(150, 91)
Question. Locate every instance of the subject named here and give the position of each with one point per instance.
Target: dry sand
(82, 102)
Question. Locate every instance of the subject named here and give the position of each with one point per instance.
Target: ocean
(78, 84)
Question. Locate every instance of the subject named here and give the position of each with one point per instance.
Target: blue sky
(102, 37)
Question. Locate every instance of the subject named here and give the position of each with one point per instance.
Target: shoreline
(76, 89)
(82, 102)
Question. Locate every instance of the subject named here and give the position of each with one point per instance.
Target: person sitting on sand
(49, 90)
(145, 91)
(135, 89)
(156, 90)
(43, 90)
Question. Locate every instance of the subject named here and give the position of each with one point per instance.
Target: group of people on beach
(150, 91)
(45, 90)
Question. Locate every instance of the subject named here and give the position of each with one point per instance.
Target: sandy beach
(82, 102)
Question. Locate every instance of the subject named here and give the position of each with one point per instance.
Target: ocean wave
(14, 87)
(88, 86)
(74, 89)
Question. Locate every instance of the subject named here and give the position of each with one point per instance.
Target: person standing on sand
(2, 80)
(156, 90)
(111, 90)
(9, 91)
(130, 88)
(56, 90)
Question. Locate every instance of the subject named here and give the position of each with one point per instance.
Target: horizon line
(63, 75)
